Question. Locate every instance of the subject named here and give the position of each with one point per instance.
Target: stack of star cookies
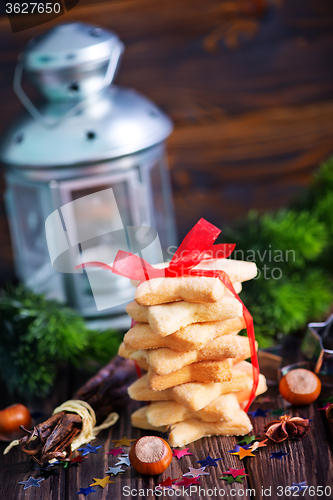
(186, 338)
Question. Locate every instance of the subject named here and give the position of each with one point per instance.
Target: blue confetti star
(298, 486)
(85, 491)
(208, 461)
(89, 449)
(258, 413)
(114, 470)
(237, 448)
(278, 454)
(31, 482)
(123, 460)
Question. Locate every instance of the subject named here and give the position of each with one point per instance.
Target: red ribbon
(196, 246)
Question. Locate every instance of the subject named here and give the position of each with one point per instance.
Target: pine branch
(38, 334)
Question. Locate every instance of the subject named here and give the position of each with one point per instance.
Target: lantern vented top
(68, 45)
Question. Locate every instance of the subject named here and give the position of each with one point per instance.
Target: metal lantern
(89, 138)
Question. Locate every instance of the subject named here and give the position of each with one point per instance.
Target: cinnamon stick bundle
(105, 392)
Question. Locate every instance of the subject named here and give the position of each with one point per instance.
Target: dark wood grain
(309, 459)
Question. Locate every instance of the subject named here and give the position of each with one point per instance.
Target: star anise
(287, 427)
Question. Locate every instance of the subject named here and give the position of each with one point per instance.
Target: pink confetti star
(325, 407)
(187, 481)
(181, 453)
(115, 451)
(79, 459)
(196, 472)
(167, 483)
(236, 472)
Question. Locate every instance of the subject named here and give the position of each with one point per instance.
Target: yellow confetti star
(243, 453)
(122, 442)
(102, 482)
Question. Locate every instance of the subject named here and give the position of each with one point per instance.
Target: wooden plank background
(248, 84)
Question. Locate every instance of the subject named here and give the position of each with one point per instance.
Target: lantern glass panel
(163, 209)
(92, 214)
(28, 206)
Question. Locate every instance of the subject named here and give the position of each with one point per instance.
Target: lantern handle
(37, 115)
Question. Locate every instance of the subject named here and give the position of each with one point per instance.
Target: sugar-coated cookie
(195, 395)
(165, 360)
(203, 371)
(189, 338)
(193, 429)
(164, 290)
(166, 319)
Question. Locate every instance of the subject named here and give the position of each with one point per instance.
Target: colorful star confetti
(123, 460)
(278, 454)
(247, 439)
(324, 407)
(67, 463)
(278, 412)
(167, 483)
(114, 452)
(299, 486)
(258, 444)
(263, 400)
(89, 449)
(235, 472)
(114, 470)
(230, 479)
(122, 442)
(102, 482)
(208, 461)
(79, 459)
(237, 447)
(187, 481)
(181, 453)
(85, 491)
(31, 482)
(196, 472)
(258, 413)
(328, 399)
(243, 453)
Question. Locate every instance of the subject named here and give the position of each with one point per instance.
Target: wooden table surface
(309, 460)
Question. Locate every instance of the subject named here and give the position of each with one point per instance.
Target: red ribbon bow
(196, 246)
